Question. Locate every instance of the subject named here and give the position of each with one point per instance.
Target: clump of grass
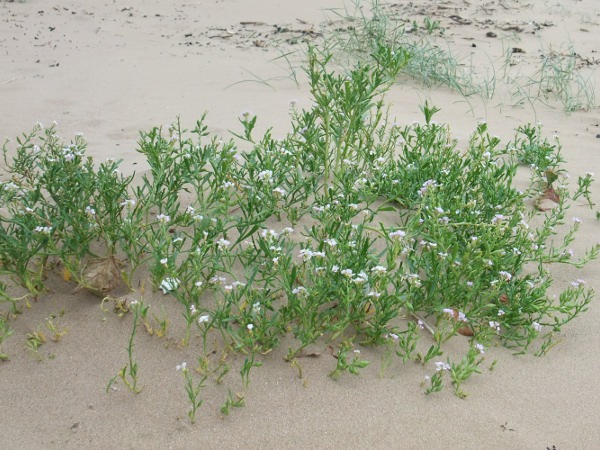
(458, 255)
(431, 62)
(560, 78)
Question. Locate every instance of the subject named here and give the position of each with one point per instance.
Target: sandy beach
(109, 70)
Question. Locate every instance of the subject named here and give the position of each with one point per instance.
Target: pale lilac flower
(498, 218)
(300, 290)
(501, 312)
(90, 211)
(576, 220)
(577, 283)
(495, 325)
(481, 348)
(425, 187)
(536, 326)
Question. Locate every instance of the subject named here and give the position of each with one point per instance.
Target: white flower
(536, 326)
(576, 220)
(266, 176)
(223, 244)
(397, 235)
(495, 325)
(250, 327)
(439, 210)
(440, 365)
(335, 269)
(43, 230)
(162, 218)
(361, 278)
(305, 254)
(198, 283)
(577, 283)
(204, 319)
(279, 191)
(481, 348)
(501, 312)
(380, 270)
(181, 366)
(169, 284)
(331, 242)
(164, 261)
(347, 273)
(507, 276)
(90, 211)
(256, 308)
(128, 203)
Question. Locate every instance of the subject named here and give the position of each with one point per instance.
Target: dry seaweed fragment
(101, 275)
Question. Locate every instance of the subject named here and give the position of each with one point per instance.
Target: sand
(109, 69)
